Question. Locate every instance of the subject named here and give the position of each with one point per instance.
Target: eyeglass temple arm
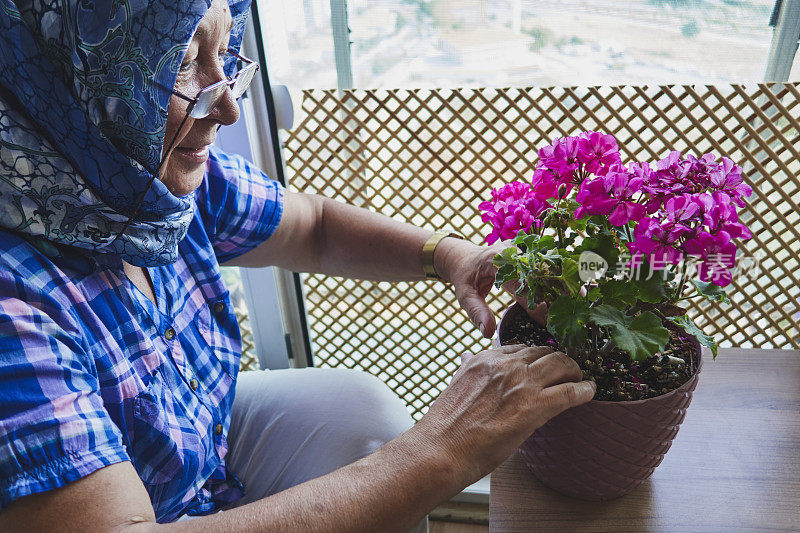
(174, 91)
(243, 58)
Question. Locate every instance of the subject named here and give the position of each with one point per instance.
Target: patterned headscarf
(82, 122)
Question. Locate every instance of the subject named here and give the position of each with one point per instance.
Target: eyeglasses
(201, 105)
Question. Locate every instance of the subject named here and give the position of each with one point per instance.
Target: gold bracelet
(430, 247)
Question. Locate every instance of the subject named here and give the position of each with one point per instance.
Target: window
(507, 43)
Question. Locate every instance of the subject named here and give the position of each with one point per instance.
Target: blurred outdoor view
(511, 43)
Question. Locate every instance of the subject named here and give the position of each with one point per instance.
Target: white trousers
(289, 426)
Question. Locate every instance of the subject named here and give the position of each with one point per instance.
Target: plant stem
(679, 291)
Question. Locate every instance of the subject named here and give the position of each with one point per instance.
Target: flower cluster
(691, 208)
(677, 209)
(584, 211)
(513, 207)
(568, 161)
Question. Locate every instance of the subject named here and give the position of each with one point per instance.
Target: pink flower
(727, 177)
(682, 210)
(700, 179)
(611, 195)
(556, 172)
(717, 255)
(669, 162)
(721, 216)
(545, 184)
(561, 157)
(659, 241)
(668, 179)
(597, 152)
(512, 208)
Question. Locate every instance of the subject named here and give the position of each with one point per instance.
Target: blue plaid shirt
(93, 373)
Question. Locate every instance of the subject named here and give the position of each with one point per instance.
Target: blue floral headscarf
(82, 122)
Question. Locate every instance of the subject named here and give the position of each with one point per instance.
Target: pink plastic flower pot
(602, 450)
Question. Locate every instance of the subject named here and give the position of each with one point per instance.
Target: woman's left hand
(470, 269)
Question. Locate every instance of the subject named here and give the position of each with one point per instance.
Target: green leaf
(507, 263)
(644, 337)
(691, 328)
(566, 320)
(550, 256)
(579, 225)
(531, 243)
(608, 315)
(641, 336)
(546, 242)
(508, 254)
(603, 245)
(588, 243)
(709, 291)
(651, 289)
(620, 232)
(619, 293)
(569, 273)
(594, 294)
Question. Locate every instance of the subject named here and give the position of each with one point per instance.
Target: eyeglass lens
(243, 79)
(208, 98)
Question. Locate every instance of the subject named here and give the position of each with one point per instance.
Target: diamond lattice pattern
(430, 156)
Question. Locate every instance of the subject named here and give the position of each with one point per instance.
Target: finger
(531, 354)
(511, 348)
(466, 357)
(506, 349)
(511, 287)
(498, 247)
(565, 395)
(554, 368)
(539, 315)
(478, 311)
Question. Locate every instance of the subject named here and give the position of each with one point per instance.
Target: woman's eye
(186, 66)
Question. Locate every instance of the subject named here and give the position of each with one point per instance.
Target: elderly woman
(120, 407)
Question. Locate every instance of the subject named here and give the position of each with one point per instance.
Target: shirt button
(218, 429)
(194, 384)
(219, 307)
(169, 334)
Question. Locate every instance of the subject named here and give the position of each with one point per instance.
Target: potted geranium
(614, 251)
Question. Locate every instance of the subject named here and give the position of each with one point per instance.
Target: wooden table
(734, 466)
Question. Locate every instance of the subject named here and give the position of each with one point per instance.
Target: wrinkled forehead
(215, 25)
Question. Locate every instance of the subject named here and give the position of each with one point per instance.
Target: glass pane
(482, 43)
(299, 43)
(233, 280)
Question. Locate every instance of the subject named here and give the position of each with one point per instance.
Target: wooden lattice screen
(429, 157)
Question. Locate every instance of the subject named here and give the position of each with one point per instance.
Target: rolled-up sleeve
(54, 428)
(240, 206)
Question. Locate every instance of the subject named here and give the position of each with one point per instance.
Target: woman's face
(184, 166)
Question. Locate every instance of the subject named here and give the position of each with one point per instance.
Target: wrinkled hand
(495, 400)
(470, 269)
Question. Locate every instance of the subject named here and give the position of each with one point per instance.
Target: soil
(617, 377)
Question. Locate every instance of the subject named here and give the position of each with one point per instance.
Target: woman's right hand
(496, 399)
